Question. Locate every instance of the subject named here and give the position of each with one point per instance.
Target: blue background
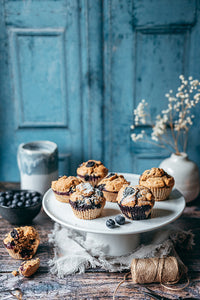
(73, 71)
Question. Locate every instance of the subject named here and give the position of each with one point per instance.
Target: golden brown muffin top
(24, 236)
(157, 178)
(64, 183)
(92, 167)
(137, 195)
(112, 183)
(87, 193)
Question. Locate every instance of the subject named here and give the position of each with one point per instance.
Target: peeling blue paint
(72, 72)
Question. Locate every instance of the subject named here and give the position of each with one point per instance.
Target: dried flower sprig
(173, 124)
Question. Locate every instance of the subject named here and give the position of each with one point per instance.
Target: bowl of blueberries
(20, 206)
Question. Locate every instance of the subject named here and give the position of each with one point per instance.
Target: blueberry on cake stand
(122, 239)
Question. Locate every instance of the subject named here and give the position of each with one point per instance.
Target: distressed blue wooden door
(72, 71)
(40, 85)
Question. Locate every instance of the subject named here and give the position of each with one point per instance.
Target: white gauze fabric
(73, 252)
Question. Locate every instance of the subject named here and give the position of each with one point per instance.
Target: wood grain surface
(94, 284)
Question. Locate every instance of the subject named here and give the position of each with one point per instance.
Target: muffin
(29, 267)
(135, 202)
(92, 171)
(87, 202)
(158, 181)
(110, 186)
(64, 187)
(22, 242)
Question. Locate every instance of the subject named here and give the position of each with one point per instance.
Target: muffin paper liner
(161, 194)
(87, 214)
(62, 198)
(110, 196)
(137, 212)
(93, 180)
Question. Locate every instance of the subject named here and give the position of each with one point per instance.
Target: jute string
(163, 270)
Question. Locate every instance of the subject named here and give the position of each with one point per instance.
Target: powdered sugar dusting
(85, 187)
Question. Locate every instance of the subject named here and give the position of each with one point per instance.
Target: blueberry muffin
(64, 187)
(135, 202)
(22, 242)
(29, 267)
(158, 181)
(92, 171)
(87, 202)
(110, 186)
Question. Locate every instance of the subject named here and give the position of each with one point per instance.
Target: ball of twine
(163, 270)
(167, 270)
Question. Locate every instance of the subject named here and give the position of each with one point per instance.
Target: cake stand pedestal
(115, 245)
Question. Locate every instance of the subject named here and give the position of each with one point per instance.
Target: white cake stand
(122, 239)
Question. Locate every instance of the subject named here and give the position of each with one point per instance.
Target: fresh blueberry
(120, 220)
(20, 203)
(8, 197)
(28, 195)
(99, 193)
(36, 199)
(22, 193)
(9, 193)
(16, 196)
(8, 203)
(2, 199)
(110, 223)
(28, 203)
(15, 201)
(101, 187)
(14, 234)
(87, 177)
(128, 191)
(13, 205)
(10, 245)
(22, 198)
(3, 203)
(90, 164)
(2, 194)
(34, 194)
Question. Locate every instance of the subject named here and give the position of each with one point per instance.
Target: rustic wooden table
(94, 284)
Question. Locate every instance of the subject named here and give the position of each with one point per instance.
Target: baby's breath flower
(194, 82)
(176, 117)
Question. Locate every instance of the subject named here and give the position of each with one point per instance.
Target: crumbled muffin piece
(15, 273)
(22, 242)
(29, 267)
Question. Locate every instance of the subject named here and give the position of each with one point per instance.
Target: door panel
(38, 68)
(43, 58)
(147, 45)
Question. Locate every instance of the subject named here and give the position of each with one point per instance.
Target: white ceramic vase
(185, 173)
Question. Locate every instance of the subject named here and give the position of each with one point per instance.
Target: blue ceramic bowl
(21, 215)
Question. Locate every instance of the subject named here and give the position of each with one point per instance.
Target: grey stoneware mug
(38, 165)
